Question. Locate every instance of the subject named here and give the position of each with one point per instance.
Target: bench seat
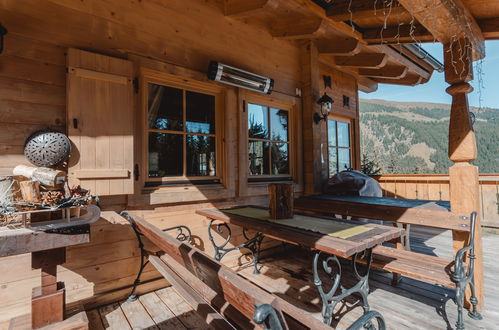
(420, 266)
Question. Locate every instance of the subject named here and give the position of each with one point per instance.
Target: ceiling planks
(448, 21)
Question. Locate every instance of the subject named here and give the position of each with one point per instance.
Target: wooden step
(417, 265)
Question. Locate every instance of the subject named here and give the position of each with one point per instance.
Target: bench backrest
(219, 285)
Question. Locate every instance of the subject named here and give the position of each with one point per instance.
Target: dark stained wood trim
(416, 216)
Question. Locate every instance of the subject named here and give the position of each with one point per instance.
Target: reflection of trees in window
(268, 145)
(182, 139)
(339, 147)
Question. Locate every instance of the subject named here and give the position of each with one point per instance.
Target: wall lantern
(326, 103)
(237, 77)
(3, 31)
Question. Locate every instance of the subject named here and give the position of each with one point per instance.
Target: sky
(434, 90)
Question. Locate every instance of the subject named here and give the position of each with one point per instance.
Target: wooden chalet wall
(177, 37)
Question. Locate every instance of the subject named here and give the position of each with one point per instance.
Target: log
(281, 200)
(9, 189)
(30, 191)
(46, 176)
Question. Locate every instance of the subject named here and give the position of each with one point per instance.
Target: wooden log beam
(405, 33)
(463, 177)
(408, 80)
(367, 60)
(388, 72)
(398, 55)
(339, 47)
(448, 21)
(243, 7)
(367, 85)
(299, 28)
(348, 10)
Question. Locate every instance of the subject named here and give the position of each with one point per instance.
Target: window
(268, 141)
(182, 133)
(339, 144)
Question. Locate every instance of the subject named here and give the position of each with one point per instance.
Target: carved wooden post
(463, 177)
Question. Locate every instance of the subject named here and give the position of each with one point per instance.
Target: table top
(344, 239)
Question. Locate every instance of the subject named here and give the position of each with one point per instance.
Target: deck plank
(160, 313)
(137, 315)
(189, 317)
(113, 317)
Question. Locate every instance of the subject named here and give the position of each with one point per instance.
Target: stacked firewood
(38, 188)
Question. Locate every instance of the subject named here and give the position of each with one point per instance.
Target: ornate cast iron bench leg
(252, 243)
(181, 236)
(266, 315)
(463, 277)
(332, 268)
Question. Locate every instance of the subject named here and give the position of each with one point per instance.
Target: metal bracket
(332, 268)
(252, 243)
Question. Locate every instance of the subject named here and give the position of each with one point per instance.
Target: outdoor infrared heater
(236, 77)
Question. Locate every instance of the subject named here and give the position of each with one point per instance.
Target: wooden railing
(436, 187)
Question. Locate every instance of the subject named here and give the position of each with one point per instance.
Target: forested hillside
(403, 138)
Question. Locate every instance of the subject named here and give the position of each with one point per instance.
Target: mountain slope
(403, 138)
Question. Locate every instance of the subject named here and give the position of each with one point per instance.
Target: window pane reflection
(333, 161)
(279, 124)
(331, 133)
(343, 159)
(200, 155)
(258, 157)
(165, 108)
(200, 113)
(343, 134)
(258, 121)
(280, 158)
(165, 154)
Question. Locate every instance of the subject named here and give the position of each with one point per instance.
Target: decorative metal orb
(47, 148)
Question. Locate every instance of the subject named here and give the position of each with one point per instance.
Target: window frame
(280, 105)
(350, 123)
(185, 85)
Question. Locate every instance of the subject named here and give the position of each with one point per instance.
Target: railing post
(463, 177)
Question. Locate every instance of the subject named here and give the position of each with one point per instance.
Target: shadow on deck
(413, 304)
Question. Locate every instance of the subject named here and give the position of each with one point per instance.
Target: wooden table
(326, 246)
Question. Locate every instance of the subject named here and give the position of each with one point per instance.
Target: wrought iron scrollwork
(331, 266)
(266, 315)
(183, 233)
(464, 277)
(252, 243)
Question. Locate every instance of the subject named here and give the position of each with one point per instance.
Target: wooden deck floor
(411, 305)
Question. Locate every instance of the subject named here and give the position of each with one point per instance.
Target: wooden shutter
(100, 122)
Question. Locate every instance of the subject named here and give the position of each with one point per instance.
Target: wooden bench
(451, 273)
(224, 298)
